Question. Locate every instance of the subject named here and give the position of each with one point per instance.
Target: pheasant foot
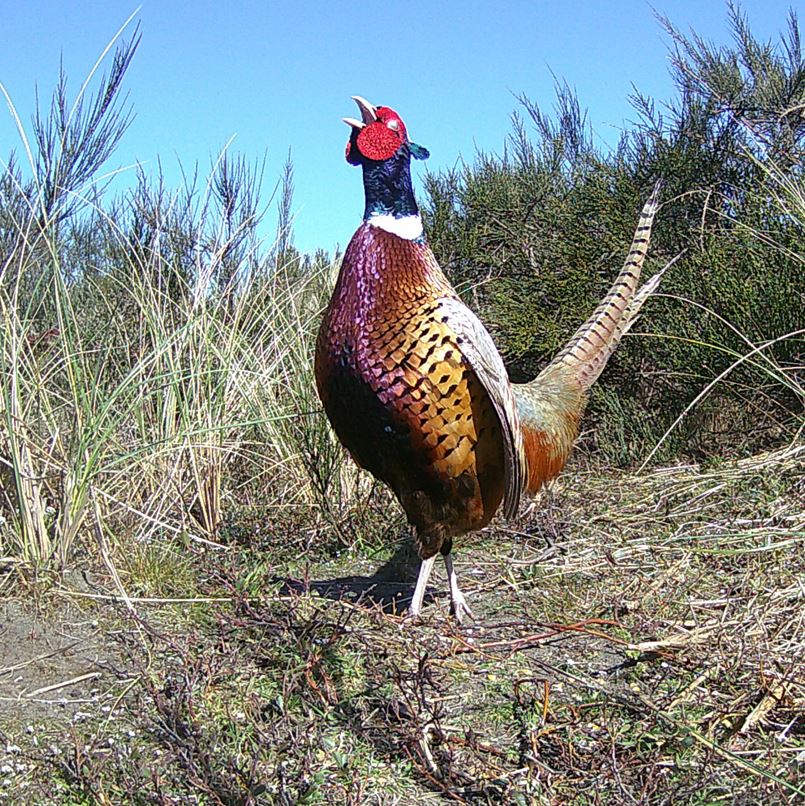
(458, 602)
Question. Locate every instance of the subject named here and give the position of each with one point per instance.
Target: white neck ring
(408, 227)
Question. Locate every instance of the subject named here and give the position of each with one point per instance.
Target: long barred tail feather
(550, 406)
(587, 353)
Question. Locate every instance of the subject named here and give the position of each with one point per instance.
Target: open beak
(368, 113)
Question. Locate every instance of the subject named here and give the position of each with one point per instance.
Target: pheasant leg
(421, 583)
(458, 602)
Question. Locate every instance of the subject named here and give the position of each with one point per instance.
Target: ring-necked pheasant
(412, 382)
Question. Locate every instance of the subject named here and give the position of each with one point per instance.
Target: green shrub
(533, 237)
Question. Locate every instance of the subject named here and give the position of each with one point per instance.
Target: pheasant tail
(551, 405)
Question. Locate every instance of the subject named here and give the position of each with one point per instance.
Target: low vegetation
(201, 594)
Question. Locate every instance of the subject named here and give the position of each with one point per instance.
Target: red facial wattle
(378, 136)
(378, 142)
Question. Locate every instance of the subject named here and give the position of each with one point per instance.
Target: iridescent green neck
(388, 187)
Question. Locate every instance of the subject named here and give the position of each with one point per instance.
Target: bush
(533, 237)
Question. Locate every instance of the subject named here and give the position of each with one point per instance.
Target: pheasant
(411, 380)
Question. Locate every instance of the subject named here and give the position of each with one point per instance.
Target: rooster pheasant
(412, 382)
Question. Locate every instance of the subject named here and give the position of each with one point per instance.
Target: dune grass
(157, 352)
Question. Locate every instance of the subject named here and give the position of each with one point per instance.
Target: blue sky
(279, 76)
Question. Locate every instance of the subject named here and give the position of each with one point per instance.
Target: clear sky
(279, 76)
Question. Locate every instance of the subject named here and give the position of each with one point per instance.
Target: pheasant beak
(368, 113)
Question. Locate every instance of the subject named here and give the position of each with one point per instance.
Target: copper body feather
(395, 383)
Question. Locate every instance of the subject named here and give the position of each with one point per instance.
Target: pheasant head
(379, 143)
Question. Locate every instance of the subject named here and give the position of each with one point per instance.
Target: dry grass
(640, 640)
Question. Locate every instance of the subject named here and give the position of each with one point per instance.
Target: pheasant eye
(394, 124)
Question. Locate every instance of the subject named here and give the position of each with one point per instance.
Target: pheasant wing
(479, 351)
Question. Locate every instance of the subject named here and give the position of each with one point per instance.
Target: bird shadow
(390, 587)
